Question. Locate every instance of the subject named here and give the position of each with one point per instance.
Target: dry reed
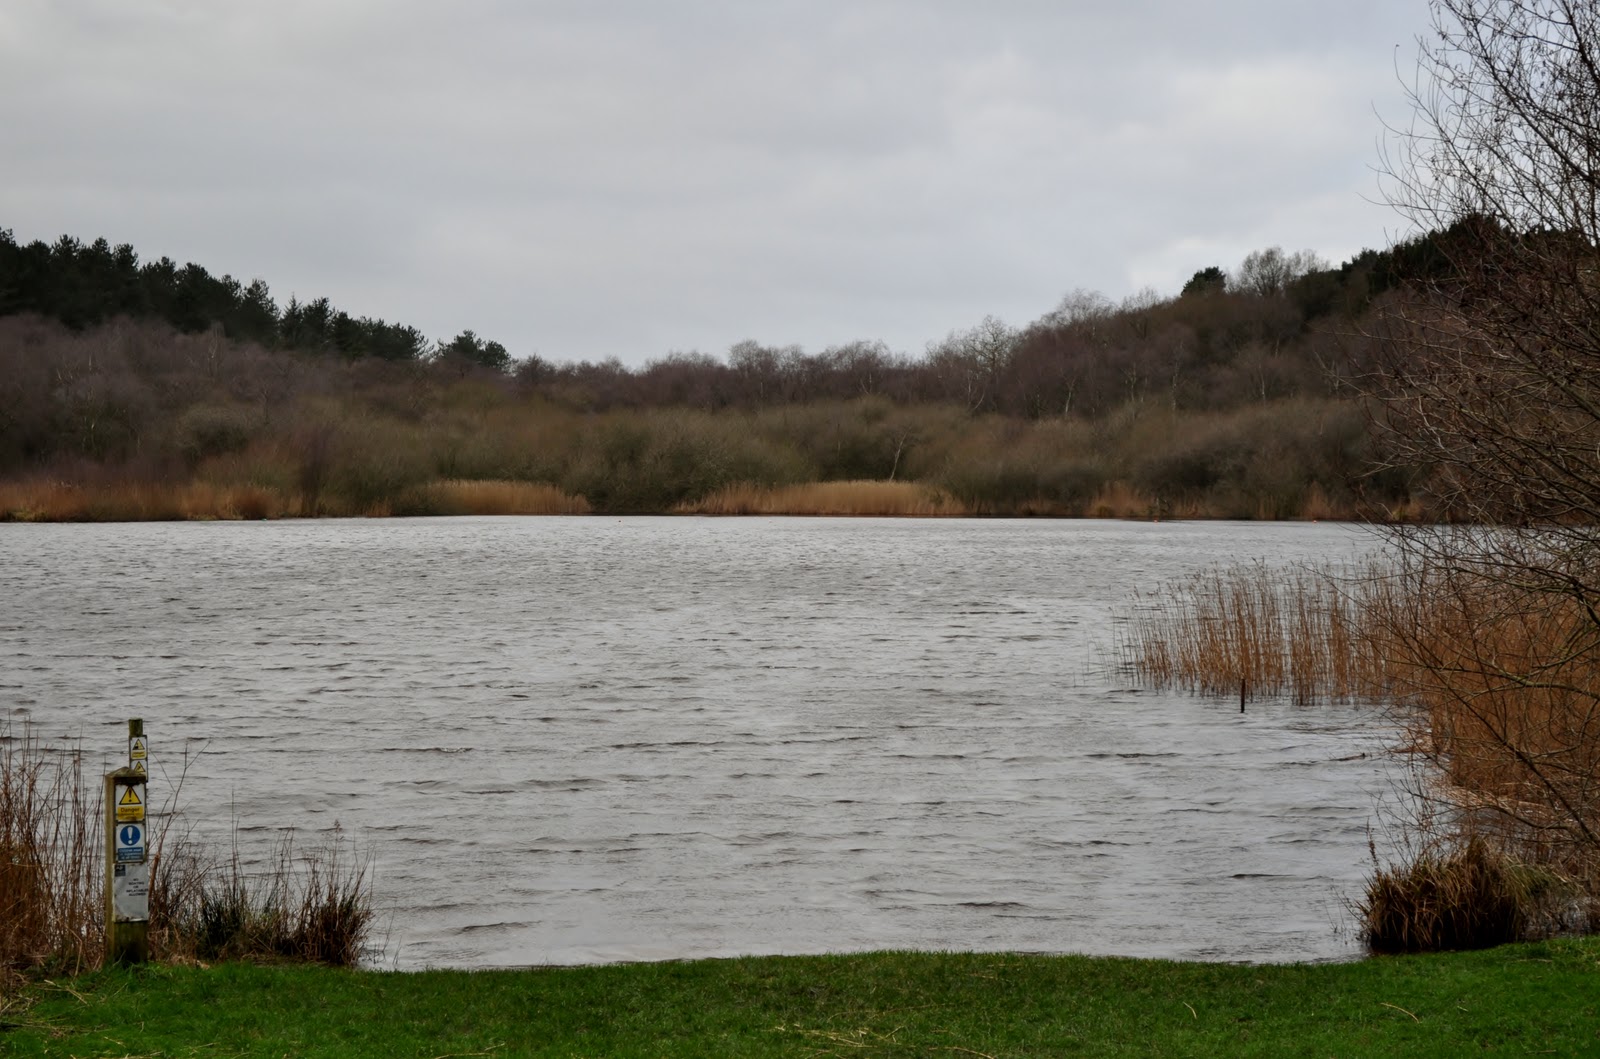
(1120, 500)
(1496, 679)
(863, 498)
(498, 497)
(1505, 680)
(1466, 896)
(51, 860)
(1255, 630)
(49, 501)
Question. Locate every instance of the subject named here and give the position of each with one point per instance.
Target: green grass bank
(1538, 999)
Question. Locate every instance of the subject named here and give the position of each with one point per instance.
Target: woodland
(133, 389)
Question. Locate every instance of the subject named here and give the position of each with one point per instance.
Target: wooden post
(127, 861)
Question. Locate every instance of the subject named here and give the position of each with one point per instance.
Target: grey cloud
(626, 178)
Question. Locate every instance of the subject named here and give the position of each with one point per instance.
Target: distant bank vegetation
(148, 391)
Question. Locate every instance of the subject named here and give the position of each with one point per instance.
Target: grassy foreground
(1539, 999)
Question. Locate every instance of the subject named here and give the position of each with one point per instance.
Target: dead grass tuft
(312, 906)
(1468, 897)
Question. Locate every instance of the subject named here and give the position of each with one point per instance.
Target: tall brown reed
(497, 497)
(1504, 676)
(52, 501)
(861, 498)
(51, 857)
(1257, 630)
(1496, 679)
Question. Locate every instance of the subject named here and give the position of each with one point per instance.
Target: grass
(313, 906)
(1516, 1000)
(865, 498)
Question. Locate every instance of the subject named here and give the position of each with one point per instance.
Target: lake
(569, 740)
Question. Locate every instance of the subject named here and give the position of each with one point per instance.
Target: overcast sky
(589, 179)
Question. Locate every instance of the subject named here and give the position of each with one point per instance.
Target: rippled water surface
(584, 739)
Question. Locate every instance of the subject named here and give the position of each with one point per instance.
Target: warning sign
(138, 748)
(130, 805)
(138, 766)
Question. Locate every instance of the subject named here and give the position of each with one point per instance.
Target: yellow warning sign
(130, 807)
(138, 748)
(138, 766)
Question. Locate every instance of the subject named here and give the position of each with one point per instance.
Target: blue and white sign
(130, 843)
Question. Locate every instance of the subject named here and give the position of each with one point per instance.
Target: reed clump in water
(860, 498)
(1256, 630)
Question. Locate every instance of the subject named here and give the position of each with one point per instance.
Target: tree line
(1230, 338)
(1231, 397)
(84, 284)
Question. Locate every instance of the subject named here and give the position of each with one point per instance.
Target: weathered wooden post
(127, 865)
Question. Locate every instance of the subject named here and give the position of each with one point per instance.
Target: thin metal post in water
(127, 845)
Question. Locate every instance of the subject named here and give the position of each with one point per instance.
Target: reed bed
(863, 498)
(51, 501)
(498, 497)
(1496, 683)
(1256, 630)
(1504, 679)
(1120, 500)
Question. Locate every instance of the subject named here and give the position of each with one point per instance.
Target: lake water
(569, 740)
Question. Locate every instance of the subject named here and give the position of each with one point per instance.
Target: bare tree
(1491, 380)
(1270, 271)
